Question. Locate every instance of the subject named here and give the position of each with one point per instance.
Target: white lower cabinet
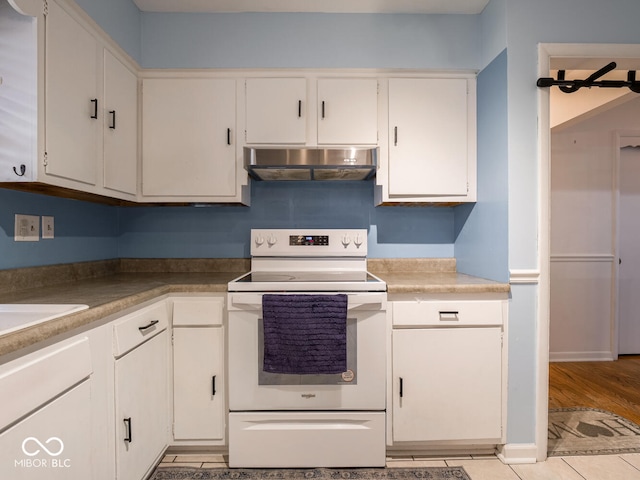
(47, 434)
(199, 408)
(141, 390)
(448, 372)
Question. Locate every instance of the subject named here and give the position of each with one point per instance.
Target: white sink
(15, 316)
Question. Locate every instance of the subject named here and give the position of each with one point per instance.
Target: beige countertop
(123, 287)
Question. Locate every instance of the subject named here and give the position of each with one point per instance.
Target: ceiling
(319, 6)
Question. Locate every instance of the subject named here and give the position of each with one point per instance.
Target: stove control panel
(309, 243)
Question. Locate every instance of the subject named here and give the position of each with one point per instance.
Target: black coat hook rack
(570, 86)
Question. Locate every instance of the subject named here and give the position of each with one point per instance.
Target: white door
(198, 383)
(629, 252)
(348, 111)
(73, 111)
(447, 384)
(276, 110)
(52, 443)
(120, 126)
(428, 136)
(188, 137)
(141, 407)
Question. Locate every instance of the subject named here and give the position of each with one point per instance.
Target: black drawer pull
(149, 325)
(95, 108)
(401, 387)
(299, 108)
(228, 136)
(113, 119)
(395, 136)
(128, 437)
(213, 385)
(323, 109)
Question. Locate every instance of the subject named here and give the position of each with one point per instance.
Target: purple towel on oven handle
(305, 334)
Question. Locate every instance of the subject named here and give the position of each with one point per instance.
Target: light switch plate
(47, 227)
(27, 228)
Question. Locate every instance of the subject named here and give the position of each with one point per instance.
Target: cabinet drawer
(198, 312)
(44, 375)
(446, 313)
(135, 328)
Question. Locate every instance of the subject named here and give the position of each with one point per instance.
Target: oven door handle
(370, 301)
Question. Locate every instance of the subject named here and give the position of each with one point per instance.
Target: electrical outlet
(47, 227)
(27, 228)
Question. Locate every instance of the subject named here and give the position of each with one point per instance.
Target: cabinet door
(348, 111)
(276, 110)
(54, 442)
(447, 384)
(428, 137)
(188, 137)
(198, 384)
(73, 114)
(120, 126)
(141, 407)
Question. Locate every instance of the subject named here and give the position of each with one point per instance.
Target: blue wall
(120, 19)
(83, 231)
(295, 40)
(223, 231)
(482, 235)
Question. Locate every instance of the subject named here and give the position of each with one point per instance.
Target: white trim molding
(604, 356)
(524, 277)
(583, 257)
(517, 453)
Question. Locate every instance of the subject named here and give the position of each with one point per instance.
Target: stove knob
(357, 241)
(259, 240)
(346, 240)
(271, 241)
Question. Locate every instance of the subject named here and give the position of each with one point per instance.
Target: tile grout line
(571, 467)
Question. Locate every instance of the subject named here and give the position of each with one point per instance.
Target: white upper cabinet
(66, 82)
(279, 111)
(431, 140)
(348, 111)
(189, 139)
(73, 114)
(276, 110)
(120, 126)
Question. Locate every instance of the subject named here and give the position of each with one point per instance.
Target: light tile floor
(601, 467)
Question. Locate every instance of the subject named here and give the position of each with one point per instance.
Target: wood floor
(612, 386)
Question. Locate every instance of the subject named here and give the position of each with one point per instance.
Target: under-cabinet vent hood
(311, 163)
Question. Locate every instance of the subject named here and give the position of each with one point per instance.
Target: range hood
(311, 163)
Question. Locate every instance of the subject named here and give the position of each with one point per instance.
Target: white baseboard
(517, 453)
(581, 356)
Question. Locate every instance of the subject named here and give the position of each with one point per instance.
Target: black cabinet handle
(149, 325)
(213, 385)
(128, 437)
(228, 136)
(299, 108)
(95, 108)
(113, 119)
(395, 136)
(401, 387)
(23, 169)
(323, 109)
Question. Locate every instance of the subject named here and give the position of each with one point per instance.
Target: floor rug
(589, 431)
(424, 473)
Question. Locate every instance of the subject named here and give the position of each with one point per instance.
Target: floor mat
(424, 473)
(590, 431)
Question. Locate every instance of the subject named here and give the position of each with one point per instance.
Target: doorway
(628, 251)
(547, 53)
